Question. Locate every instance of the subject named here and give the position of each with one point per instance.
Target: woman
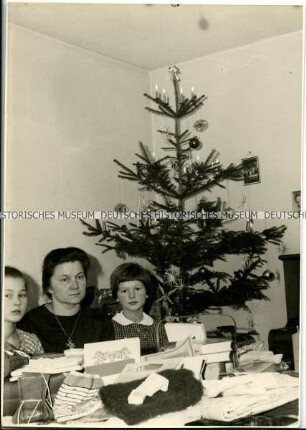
(64, 323)
(132, 286)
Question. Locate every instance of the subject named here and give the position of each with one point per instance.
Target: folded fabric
(76, 388)
(235, 407)
(87, 411)
(256, 346)
(250, 388)
(253, 383)
(148, 387)
(184, 390)
(265, 356)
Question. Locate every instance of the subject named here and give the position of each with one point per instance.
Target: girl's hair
(60, 256)
(12, 272)
(132, 272)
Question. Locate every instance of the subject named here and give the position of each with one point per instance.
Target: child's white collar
(123, 320)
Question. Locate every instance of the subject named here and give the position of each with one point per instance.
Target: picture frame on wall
(296, 200)
(251, 173)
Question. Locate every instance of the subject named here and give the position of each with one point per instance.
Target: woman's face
(15, 299)
(68, 283)
(132, 295)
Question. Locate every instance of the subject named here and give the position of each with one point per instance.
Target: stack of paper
(182, 349)
(48, 365)
(178, 332)
(217, 350)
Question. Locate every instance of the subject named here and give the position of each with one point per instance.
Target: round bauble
(202, 270)
(268, 275)
(194, 143)
(201, 125)
(121, 207)
(175, 165)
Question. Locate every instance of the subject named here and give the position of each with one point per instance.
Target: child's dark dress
(146, 330)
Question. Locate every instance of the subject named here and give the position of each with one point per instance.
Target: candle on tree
(181, 95)
(164, 95)
(156, 91)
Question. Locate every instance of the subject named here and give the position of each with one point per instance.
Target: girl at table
(64, 323)
(132, 287)
(16, 341)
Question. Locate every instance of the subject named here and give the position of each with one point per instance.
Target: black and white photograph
(151, 264)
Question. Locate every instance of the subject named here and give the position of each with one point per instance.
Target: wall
(254, 105)
(70, 112)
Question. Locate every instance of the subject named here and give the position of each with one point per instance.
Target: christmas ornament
(104, 226)
(249, 225)
(121, 207)
(175, 165)
(283, 248)
(174, 73)
(201, 125)
(268, 275)
(194, 143)
(242, 202)
(146, 205)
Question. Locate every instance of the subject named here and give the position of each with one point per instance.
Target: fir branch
(157, 112)
(189, 106)
(182, 135)
(274, 234)
(166, 109)
(153, 176)
(167, 148)
(161, 104)
(198, 179)
(93, 231)
(166, 132)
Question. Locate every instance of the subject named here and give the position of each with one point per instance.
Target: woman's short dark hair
(60, 256)
(12, 272)
(131, 272)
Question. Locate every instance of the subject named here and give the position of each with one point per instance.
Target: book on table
(216, 345)
(218, 357)
(217, 350)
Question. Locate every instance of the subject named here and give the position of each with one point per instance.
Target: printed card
(111, 351)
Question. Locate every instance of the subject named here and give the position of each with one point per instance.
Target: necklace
(69, 342)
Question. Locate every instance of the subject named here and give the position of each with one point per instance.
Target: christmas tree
(183, 246)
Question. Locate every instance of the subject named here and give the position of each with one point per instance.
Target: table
(286, 416)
